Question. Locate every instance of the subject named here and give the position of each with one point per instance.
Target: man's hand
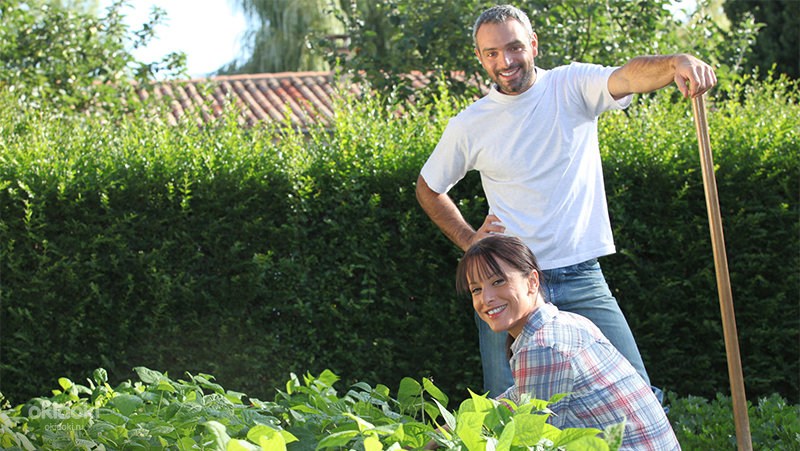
(692, 76)
(492, 225)
(445, 214)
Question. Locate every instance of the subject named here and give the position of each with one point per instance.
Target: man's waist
(556, 260)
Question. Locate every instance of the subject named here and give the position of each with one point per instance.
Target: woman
(557, 352)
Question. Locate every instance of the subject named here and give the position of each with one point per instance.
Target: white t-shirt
(539, 160)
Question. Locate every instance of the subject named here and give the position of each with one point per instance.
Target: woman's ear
(533, 282)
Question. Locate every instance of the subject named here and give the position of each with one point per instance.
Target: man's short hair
(501, 14)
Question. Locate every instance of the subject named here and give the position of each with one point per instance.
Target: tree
(279, 35)
(387, 40)
(393, 37)
(65, 56)
(778, 43)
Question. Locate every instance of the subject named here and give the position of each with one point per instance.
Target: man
(534, 141)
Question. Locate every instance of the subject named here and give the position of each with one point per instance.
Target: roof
(305, 98)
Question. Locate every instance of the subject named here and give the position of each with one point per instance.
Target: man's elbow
(619, 85)
(423, 191)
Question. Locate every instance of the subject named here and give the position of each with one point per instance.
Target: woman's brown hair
(482, 259)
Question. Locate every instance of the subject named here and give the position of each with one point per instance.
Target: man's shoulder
(578, 69)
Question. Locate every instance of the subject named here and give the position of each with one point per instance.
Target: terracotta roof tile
(305, 98)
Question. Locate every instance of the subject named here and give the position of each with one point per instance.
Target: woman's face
(503, 301)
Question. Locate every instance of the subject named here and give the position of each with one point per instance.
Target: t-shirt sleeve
(592, 86)
(448, 163)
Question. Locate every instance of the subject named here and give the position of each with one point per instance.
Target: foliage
(727, 47)
(703, 424)
(253, 253)
(58, 57)
(279, 35)
(663, 272)
(198, 413)
(395, 37)
(389, 39)
(382, 42)
(778, 42)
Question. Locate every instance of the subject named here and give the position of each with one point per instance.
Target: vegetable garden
(255, 254)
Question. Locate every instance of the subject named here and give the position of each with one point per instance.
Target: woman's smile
(496, 311)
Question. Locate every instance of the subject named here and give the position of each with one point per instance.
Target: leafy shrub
(389, 39)
(254, 253)
(702, 424)
(216, 250)
(663, 273)
(158, 412)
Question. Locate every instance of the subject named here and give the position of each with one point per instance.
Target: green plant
(197, 413)
(663, 273)
(54, 56)
(702, 424)
(390, 39)
(251, 253)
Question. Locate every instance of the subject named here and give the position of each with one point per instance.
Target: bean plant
(196, 413)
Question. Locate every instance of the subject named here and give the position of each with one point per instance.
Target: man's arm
(649, 73)
(446, 215)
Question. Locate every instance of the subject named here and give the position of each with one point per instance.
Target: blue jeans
(580, 289)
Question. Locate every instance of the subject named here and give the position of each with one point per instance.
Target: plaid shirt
(560, 352)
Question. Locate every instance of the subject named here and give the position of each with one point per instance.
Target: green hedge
(663, 273)
(253, 253)
(701, 424)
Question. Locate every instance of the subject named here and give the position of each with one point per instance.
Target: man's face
(506, 52)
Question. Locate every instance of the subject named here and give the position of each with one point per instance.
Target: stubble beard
(517, 86)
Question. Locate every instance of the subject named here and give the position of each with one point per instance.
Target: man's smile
(510, 72)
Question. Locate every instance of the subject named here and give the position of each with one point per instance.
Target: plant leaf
(363, 425)
(147, 375)
(126, 404)
(507, 437)
(337, 439)
(409, 392)
(528, 429)
(219, 433)
(449, 419)
(434, 391)
(468, 429)
(372, 443)
(328, 378)
(65, 383)
(240, 445)
(481, 403)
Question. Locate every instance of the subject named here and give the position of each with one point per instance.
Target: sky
(210, 34)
